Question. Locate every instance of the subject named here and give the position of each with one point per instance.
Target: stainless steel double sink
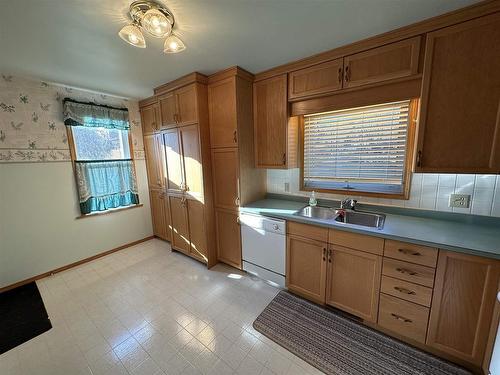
(347, 217)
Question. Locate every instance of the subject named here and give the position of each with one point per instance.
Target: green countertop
(461, 233)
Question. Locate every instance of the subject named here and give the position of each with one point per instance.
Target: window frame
(72, 152)
(408, 168)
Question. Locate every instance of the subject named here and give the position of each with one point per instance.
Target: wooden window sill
(83, 216)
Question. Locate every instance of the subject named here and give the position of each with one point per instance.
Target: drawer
(369, 244)
(406, 290)
(426, 256)
(402, 317)
(308, 231)
(413, 273)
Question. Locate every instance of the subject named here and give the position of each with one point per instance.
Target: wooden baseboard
(71, 265)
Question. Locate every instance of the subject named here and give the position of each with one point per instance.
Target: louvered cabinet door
(459, 127)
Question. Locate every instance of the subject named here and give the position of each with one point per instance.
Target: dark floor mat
(22, 316)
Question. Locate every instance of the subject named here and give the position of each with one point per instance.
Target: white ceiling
(75, 42)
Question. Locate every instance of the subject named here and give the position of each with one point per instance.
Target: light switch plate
(287, 187)
(459, 200)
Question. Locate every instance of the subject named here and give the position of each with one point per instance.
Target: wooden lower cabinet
(197, 232)
(228, 237)
(160, 214)
(462, 305)
(306, 267)
(180, 224)
(353, 281)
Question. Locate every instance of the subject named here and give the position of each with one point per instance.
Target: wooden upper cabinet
(225, 166)
(174, 165)
(150, 119)
(306, 267)
(395, 60)
(191, 156)
(353, 281)
(187, 108)
(180, 224)
(462, 305)
(271, 122)
(168, 110)
(155, 160)
(222, 113)
(459, 128)
(228, 237)
(318, 79)
(197, 233)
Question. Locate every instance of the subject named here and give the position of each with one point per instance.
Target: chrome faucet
(349, 204)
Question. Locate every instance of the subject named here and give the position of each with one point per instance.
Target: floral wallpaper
(31, 121)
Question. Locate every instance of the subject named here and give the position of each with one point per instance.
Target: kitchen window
(360, 151)
(102, 156)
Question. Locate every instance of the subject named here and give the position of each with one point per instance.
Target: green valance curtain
(94, 115)
(106, 184)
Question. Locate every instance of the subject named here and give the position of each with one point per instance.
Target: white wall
(39, 229)
(428, 191)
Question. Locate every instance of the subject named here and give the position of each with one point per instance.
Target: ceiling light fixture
(156, 20)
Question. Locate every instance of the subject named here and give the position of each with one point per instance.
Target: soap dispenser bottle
(312, 199)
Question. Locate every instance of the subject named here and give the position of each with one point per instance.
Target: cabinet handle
(176, 118)
(419, 158)
(407, 272)
(238, 220)
(329, 255)
(237, 201)
(404, 290)
(284, 158)
(409, 252)
(235, 139)
(402, 318)
(340, 75)
(347, 75)
(324, 254)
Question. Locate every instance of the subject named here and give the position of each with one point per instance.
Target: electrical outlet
(287, 187)
(459, 200)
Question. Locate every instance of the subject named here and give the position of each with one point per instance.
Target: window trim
(409, 163)
(72, 152)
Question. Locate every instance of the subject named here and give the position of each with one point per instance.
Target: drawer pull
(401, 318)
(404, 290)
(409, 252)
(407, 272)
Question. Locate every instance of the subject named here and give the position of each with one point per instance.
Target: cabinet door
(225, 175)
(191, 156)
(149, 119)
(180, 224)
(462, 305)
(175, 179)
(168, 110)
(353, 281)
(459, 128)
(154, 160)
(306, 268)
(228, 237)
(395, 60)
(197, 234)
(315, 80)
(222, 113)
(186, 105)
(158, 213)
(270, 122)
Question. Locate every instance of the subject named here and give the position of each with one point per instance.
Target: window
(364, 150)
(101, 154)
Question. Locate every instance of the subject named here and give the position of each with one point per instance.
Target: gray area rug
(338, 345)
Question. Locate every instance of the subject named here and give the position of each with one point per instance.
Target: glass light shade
(132, 35)
(173, 44)
(156, 23)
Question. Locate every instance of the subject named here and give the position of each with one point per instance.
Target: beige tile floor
(149, 311)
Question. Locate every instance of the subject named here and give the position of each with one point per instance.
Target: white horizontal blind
(361, 149)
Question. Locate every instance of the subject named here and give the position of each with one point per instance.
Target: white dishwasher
(263, 243)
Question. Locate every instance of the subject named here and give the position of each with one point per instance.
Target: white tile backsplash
(430, 191)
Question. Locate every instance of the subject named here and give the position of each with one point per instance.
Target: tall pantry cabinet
(236, 181)
(177, 147)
